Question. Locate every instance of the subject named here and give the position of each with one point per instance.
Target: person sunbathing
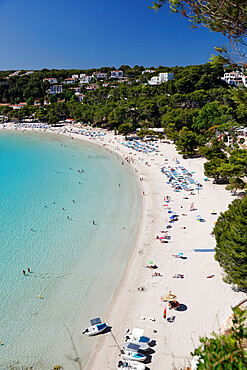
(156, 274)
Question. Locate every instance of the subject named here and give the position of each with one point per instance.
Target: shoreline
(207, 301)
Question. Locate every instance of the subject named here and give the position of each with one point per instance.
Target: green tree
(53, 120)
(52, 99)
(125, 129)
(171, 132)
(208, 116)
(225, 351)
(30, 101)
(212, 168)
(187, 142)
(229, 17)
(238, 158)
(160, 136)
(231, 242)
(235, 184)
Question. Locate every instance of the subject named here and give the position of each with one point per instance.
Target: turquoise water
(75, 265)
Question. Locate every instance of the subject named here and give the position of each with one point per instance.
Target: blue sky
(94, 33)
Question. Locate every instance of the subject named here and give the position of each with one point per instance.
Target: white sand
(206, 301)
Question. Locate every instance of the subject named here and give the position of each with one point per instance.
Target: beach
(205, 300)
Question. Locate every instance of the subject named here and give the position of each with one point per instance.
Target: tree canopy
(231, 242)
(228, 17)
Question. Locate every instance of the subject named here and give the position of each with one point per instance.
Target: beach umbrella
(169, 297)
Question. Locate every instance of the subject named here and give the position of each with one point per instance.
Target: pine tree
(231, 242)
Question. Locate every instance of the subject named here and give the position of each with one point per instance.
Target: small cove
(75, 265)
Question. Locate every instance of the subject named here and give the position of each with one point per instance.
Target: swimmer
(119, 185)
(28, 269)
(31, 229)
(24, 272)
(93, 222)
(63, 208)
(73, 201)
(68, 217)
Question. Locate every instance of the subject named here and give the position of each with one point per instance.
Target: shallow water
(75, 265)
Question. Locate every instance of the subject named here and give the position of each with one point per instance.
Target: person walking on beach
(192, 207)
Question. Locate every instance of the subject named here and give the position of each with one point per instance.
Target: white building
(235, 78)
(16, 73)
(84, 79)
(91, 87)
(163, 77)
(75, 77)
(51, 80)
(69, 81)
(75, 89)
(56, 89)
(116, 74)
(148, 71)
(99, 75)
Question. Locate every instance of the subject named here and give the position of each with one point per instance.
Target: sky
(82, 34)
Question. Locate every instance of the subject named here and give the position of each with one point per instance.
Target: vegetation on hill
(196, 99)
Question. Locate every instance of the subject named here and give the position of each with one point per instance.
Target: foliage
(145, 132)
(225, 351)
(187, 142)
(227, 17)
(212, 168)
(215, 149)
(231, 242)
(235, 184)
(239, 158)
(208, 116)
(125, 129)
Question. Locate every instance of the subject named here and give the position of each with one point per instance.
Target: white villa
(70, 81)
(56, 89)
(51, 80)
(148, 71)
(235, 78)
(116, 74)
(163, 77)
(84, 79)
(100, 75)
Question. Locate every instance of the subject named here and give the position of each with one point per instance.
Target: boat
(96, 327)
(137, 336)
(133, 356)
(143, 347)
(131, 365)
(131, 352)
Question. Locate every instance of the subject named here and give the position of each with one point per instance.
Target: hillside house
(99, 75)
(163, 77)
(84, 79)
(69, 81)
(51, 80)
(56, 89)
(235, 78)
(116, 74)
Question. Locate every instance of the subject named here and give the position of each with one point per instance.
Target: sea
(69, 213)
